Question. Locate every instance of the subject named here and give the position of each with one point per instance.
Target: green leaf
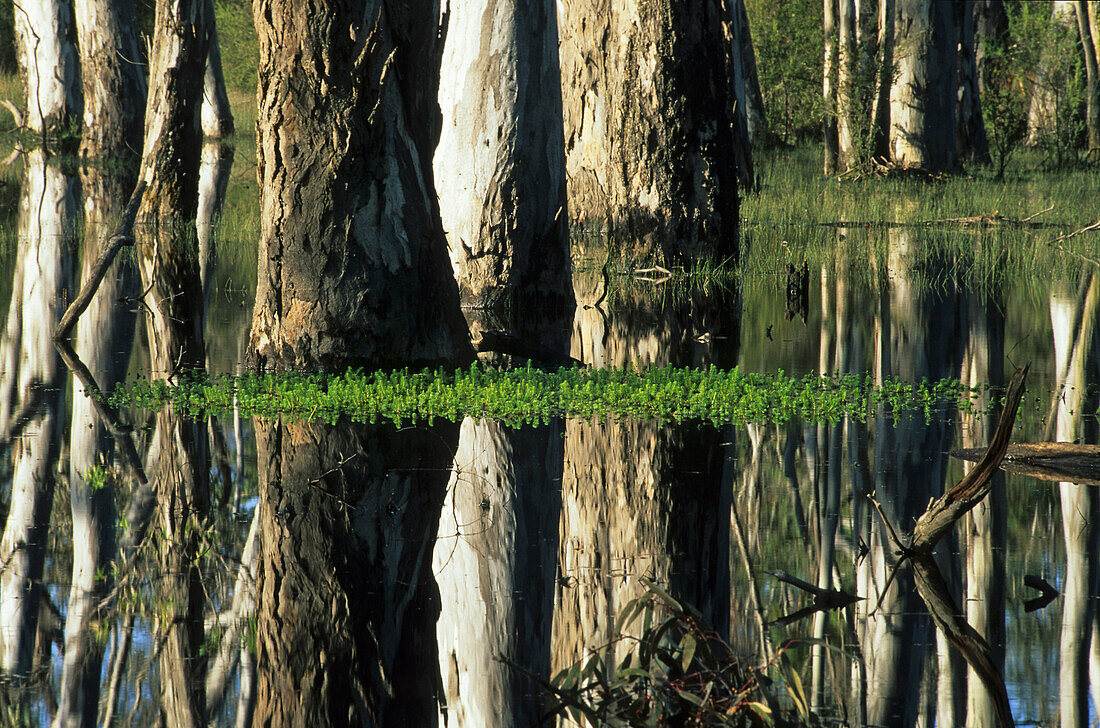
(687, 651)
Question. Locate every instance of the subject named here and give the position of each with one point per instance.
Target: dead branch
(124, 235)
(942, 513)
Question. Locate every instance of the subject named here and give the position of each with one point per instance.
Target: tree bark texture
(104, 338)
(33, 375)
(113, 79)
(353, 266)
(346, 603)
(650, 148)
(754, 99)
(922, 95)
(46, 49)
(742, 61)
(990, 32)
(829, 88)
(500, 163)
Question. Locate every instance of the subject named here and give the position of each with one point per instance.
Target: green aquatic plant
(528, 395)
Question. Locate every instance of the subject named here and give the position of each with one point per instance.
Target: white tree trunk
(51, 71)
(1048, 92)
(922, 95)
(500, 163)
(113, 80)
(217, 117)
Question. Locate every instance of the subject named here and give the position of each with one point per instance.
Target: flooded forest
(489, 363)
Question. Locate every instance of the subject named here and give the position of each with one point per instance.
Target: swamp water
(405, 568)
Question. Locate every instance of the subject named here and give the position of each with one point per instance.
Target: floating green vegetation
(528, 395)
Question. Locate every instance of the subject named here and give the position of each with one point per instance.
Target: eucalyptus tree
(1051, 107)
(112, 76)
(500, 162)
(46, 50)
(217, 117)
(168, 262)
(353, 271)
(649, 135)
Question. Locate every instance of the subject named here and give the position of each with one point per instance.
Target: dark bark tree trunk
(112, 76)
(353, 265)
(754, 100)
(740, 47)
(346, 601)
(650, 150)
(500, 163)
(970, 140)
(46, 49)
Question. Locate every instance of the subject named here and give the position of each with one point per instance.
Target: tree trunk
(990, 32)
(649, 140)
(114, 84)
(104, 338)
(753, 98)
(1048, 94)
(922, 95)
(970, 140)
(168, 261)
(829, 90)
(353, 266)
(34, 377)
(500, 163)
(46, 48)
(1092, 88)
(217, 117)
(346, 604)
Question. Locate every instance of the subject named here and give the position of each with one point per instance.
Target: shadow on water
(345, 573)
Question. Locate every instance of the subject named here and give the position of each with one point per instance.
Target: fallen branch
(124, 235)
(824, 599)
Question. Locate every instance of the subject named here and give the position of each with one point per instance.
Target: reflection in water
(30, 408)
(386, 570)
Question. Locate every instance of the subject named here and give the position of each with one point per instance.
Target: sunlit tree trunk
(500, 163)
(104, 337)
(649, 142)
(353, 262)
(46, 49)
(924, 86)
(1073, 312)
(217, 117)
(113, 79)
(985, 528)
(742, 64)
(48, 210)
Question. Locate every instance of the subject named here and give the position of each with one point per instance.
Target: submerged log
(1064, 462)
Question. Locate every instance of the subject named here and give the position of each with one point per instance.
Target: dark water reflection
(312, 574)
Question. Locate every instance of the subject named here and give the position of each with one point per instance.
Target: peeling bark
(650, 148)
(353, 266)
(113, 79)
(500, 163)
(46, 50)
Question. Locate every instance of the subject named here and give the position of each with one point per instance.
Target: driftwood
(124, 235)
(1057, 461)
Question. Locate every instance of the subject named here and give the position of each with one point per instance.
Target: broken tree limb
(942, 513)
(124, 235)
(824, 599)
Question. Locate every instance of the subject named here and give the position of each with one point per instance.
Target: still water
(430, 574)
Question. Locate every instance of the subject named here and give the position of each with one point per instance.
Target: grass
(530, 395)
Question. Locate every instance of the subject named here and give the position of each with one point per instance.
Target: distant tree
(649, 134)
